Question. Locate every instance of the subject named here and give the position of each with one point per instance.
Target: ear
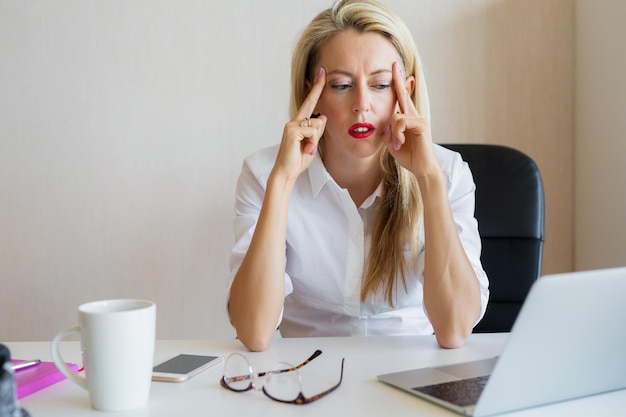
(409, 84)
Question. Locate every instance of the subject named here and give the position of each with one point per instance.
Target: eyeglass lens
(284, 386)
(283, 383)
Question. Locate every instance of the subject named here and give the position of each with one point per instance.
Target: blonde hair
(400, 211)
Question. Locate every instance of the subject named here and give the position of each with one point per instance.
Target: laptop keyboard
(463, 392)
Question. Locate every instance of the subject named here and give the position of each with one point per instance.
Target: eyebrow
(343, 72)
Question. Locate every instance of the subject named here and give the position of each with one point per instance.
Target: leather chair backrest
(510, 214)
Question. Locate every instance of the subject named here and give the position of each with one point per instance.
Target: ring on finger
(306, 122)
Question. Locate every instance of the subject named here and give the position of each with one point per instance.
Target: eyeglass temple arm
(313, 356)
(301, 399)
(328, 391)
(279, 371)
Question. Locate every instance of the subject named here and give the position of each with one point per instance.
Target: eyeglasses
(283, 384)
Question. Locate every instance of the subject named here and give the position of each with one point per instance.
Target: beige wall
(600, 134)
(502, 72)
(123, 125)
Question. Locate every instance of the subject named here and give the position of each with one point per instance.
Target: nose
(361, 100)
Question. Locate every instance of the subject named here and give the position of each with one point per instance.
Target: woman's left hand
(408, 138)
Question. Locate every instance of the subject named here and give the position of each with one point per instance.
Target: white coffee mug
(117, 341)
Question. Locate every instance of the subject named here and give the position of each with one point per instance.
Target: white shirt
(328, 241)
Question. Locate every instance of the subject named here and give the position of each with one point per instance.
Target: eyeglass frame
(299, 400)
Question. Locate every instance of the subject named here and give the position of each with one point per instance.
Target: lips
(361, 130)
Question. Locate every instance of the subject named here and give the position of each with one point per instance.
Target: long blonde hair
(400, 211)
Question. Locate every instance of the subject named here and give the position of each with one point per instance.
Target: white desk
(359, 395)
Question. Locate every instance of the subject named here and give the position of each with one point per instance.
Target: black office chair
(510, 214)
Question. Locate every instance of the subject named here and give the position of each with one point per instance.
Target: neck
(359, 175)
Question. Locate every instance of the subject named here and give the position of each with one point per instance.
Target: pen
(18, 366)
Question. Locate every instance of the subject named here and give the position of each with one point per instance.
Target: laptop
(567, 342)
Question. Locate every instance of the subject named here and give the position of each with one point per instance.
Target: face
(358, 98)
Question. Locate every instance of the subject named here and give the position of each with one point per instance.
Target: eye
(340, 87)
(382, 83)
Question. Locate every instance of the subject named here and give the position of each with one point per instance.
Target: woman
(357, 224)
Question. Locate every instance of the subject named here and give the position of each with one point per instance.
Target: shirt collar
(319, 176)
(372, 198)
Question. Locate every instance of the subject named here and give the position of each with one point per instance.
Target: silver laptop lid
(568, 342)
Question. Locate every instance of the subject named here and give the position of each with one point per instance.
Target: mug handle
(58, 360)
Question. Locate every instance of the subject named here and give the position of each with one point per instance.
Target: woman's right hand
(301, 135)
(257, 293)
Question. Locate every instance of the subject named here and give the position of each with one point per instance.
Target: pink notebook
(38, 377)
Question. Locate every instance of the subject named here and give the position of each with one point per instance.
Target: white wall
(123, 124)
(600, 134)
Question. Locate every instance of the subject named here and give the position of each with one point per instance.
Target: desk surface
(359, 395)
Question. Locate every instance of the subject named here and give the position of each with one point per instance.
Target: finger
(316, 129)
(397, 132)
(402, 94)
(308, 106)
(388, 139)
(308, 127)
(313, 134)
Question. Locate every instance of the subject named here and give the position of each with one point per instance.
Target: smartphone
(182, 367)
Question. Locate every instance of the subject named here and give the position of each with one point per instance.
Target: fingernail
(396, 145)
(313, 151)
(319, 72)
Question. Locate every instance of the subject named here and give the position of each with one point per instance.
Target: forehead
(352, 51)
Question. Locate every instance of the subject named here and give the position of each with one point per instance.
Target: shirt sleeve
(249, 195)
(461, 192)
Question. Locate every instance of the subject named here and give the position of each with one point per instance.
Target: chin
(365, 149)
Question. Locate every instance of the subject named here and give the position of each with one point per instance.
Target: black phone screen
(183, 364)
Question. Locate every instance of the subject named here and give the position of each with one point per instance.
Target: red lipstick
(361, 130)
